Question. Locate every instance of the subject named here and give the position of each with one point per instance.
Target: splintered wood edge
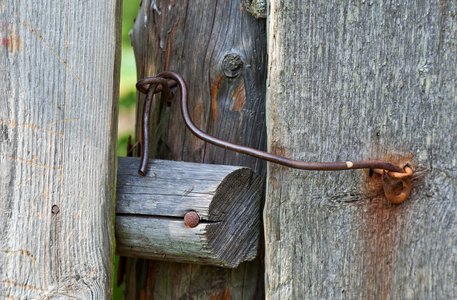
(236, 208)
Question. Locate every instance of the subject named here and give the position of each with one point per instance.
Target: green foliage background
(127, 97)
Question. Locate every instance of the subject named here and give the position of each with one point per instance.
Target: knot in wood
(191, 219)
(232, 65)
(257, 8)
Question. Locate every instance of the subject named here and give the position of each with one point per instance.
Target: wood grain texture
(362, 80)
(150, 212)
(220, 50)
(58, 126)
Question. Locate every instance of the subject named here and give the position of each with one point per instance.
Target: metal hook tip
(391, 194)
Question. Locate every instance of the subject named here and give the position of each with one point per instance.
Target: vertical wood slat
(220, 50)
(59, 71)
(362, 80)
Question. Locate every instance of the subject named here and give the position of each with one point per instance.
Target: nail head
(55, 209)
(191, 219)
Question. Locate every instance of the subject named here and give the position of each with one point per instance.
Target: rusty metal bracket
(390, 173)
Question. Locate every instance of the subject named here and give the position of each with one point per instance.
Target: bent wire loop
(165, 80)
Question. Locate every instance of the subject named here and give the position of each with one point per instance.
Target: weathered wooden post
(58, 123)
(362, 80)
(220, 49)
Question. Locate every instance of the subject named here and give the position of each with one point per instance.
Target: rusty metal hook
(390, 181)
(153, 84)
(166, 79)
(391, 195)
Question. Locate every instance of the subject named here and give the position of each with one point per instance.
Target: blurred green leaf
(129, 13)
(122, 144)
(128, 70)
(127, 95)
(127, 101)
(117, 291)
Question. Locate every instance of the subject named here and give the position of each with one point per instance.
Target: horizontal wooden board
(150, 212)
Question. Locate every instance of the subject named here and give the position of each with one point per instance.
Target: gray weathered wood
(58, 120)
(150, 212)
(362, 80)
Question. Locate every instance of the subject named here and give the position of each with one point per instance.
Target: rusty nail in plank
(191, 219)
(55, 209)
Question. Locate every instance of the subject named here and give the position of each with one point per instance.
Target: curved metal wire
(324, 166)
(153, 86)
(165, 79)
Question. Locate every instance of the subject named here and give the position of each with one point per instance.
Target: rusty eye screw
(165, 80)
(391, 179)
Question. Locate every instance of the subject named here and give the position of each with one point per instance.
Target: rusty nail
(55, 209)
(191, 219)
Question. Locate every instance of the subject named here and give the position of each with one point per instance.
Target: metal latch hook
(165, 80)
(395, 193)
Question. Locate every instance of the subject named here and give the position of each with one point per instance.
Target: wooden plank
(58, 119)
(150, 212)
(362, 80)
(220, 50)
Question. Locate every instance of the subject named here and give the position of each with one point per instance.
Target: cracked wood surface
(58, 126)
(220, 50)
(150, 212)
(362, 80)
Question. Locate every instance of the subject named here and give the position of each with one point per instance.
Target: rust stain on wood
(10, 123)
(224, 295)
(23, 286)
(197, 113)
(168, 46)
(29, 162)
(13, 42)
(373, 185)
(238, 98)
(382, 222)
(215, 86)
(147, 292)
(54, 52)
(63, 121)
(21, 252)
(277, 149)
